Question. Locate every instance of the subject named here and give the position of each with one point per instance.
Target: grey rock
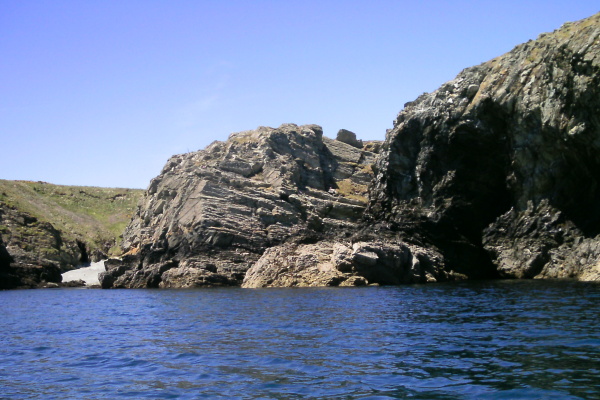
(348, 137)
(211, 214)
(18, 273)
(30, 240)
(76, 283)
(498, 167)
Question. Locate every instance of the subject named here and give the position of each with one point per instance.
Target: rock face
(498, 168)
(30, 240)
(8, 279)
(348, 137)
(210, 215)
(19, 274)
(23, 261)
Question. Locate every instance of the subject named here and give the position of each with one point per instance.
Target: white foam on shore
(87, 274)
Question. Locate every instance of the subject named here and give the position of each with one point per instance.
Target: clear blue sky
(102, 93)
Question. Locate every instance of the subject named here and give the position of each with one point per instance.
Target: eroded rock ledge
(343, 263)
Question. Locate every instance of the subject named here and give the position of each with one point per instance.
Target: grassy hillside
(92, 215)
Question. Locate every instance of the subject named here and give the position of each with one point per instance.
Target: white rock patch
(87, 274)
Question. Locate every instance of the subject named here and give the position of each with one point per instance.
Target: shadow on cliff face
(446, 183)
(83, 258)
(578, 190)
(449, 185)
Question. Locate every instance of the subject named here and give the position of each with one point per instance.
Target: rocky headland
(211, 215)
(493, 175)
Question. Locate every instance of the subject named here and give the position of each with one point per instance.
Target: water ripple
(477, 340)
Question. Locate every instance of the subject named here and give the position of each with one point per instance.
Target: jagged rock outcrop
(30, 240)
(210, 215)
(19, 274)
(498, 168)
(349, 137)
(493, 175)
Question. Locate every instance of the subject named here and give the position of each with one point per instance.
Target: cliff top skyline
(102, 94)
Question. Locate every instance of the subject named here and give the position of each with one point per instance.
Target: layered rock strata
(210, 215)
(498, 168)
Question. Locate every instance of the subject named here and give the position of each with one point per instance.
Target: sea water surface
(473, 340)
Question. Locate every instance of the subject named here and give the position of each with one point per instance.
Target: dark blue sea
(474, 340)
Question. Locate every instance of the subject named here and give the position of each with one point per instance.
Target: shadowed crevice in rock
(84, 259)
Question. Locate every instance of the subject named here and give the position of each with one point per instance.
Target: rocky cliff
(210, 215)
(47, 229)
(499, 168)
(493, 175)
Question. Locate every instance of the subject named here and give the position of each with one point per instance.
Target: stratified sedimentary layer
(211, 214)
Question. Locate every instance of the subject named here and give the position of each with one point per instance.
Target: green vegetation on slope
(95, 216)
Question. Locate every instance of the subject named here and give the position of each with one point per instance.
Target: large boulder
(349, 137)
